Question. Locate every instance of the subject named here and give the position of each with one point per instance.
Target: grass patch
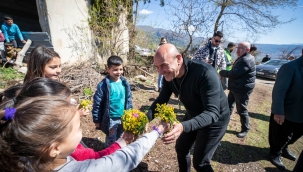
(9, 74)
(254, 148)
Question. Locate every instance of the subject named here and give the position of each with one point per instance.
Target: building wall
(70, 32)
(68, 27)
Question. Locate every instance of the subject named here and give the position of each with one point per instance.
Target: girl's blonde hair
(26, 140)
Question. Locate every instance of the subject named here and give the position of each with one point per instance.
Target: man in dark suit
(286, 121)
(241, 82)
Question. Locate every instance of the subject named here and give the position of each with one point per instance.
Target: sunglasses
(217, 41)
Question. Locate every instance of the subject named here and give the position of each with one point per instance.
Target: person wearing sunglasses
(212, 53)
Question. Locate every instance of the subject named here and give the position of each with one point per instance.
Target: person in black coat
(286, 121)
(266, 58)
(241, 82)
(198, 87)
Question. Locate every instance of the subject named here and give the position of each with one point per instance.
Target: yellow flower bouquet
(166, 113)
(86, 104)
(134, 121)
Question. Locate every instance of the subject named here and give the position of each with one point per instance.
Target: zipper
(179, 90)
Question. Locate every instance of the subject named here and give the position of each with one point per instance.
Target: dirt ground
(226, 158)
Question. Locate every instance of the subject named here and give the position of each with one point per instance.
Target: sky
(291, 33)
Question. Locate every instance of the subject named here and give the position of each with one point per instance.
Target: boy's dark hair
(8, 44)
(37, 60)
(35, 88)
(231, 44)
(6, 17)
(114, 60)
(219, 34)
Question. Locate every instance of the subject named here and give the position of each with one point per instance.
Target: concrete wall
(68, 27)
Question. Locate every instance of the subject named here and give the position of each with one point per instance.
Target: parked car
(143, 51)
(270, 68)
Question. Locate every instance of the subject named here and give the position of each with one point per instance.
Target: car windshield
(276, 62)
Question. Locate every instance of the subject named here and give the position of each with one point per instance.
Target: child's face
(52, 69)
(9, 22)
(9, 47)
(73, 139)
(115, 72)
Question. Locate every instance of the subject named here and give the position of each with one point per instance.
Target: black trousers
(299, 164)
(206, 142)
(280, 136)
(241, 101)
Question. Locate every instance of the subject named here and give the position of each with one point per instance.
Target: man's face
(216, 41)
(9, 22)
(168, 66)
(164, 41)
(241, 49)
(232, 49)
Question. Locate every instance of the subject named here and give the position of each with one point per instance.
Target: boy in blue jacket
(112, 97)
(10, 30)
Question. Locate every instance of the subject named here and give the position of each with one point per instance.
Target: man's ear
(54, 150)
(179, 59)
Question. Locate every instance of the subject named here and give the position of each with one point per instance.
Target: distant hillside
(274, 50)
(157, 33)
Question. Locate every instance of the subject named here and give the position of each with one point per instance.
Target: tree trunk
(223, 6)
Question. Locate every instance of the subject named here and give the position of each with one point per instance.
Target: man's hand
(97, 125)
(23, 41)
(279, 118)
(173, 134)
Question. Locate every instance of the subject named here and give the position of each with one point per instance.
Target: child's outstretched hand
(83, 112)
(128, 137)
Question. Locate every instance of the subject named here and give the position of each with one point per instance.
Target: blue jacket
(9, 32)
(287, 94)
(101, 105)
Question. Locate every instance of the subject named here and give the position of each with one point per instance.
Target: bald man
(241, 82)
(198, 87)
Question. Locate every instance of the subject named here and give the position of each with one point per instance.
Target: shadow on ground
(142, 167)
(259, 116)
(273, 169)
(233, 153)
(93, 143)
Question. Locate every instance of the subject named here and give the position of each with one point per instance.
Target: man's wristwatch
(159, 132)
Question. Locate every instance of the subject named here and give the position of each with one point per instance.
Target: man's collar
(211, 45)
(243, 55)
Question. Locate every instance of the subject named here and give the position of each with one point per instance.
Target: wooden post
(21, 54)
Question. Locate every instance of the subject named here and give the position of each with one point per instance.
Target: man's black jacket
(242, 76)
(200, 91)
